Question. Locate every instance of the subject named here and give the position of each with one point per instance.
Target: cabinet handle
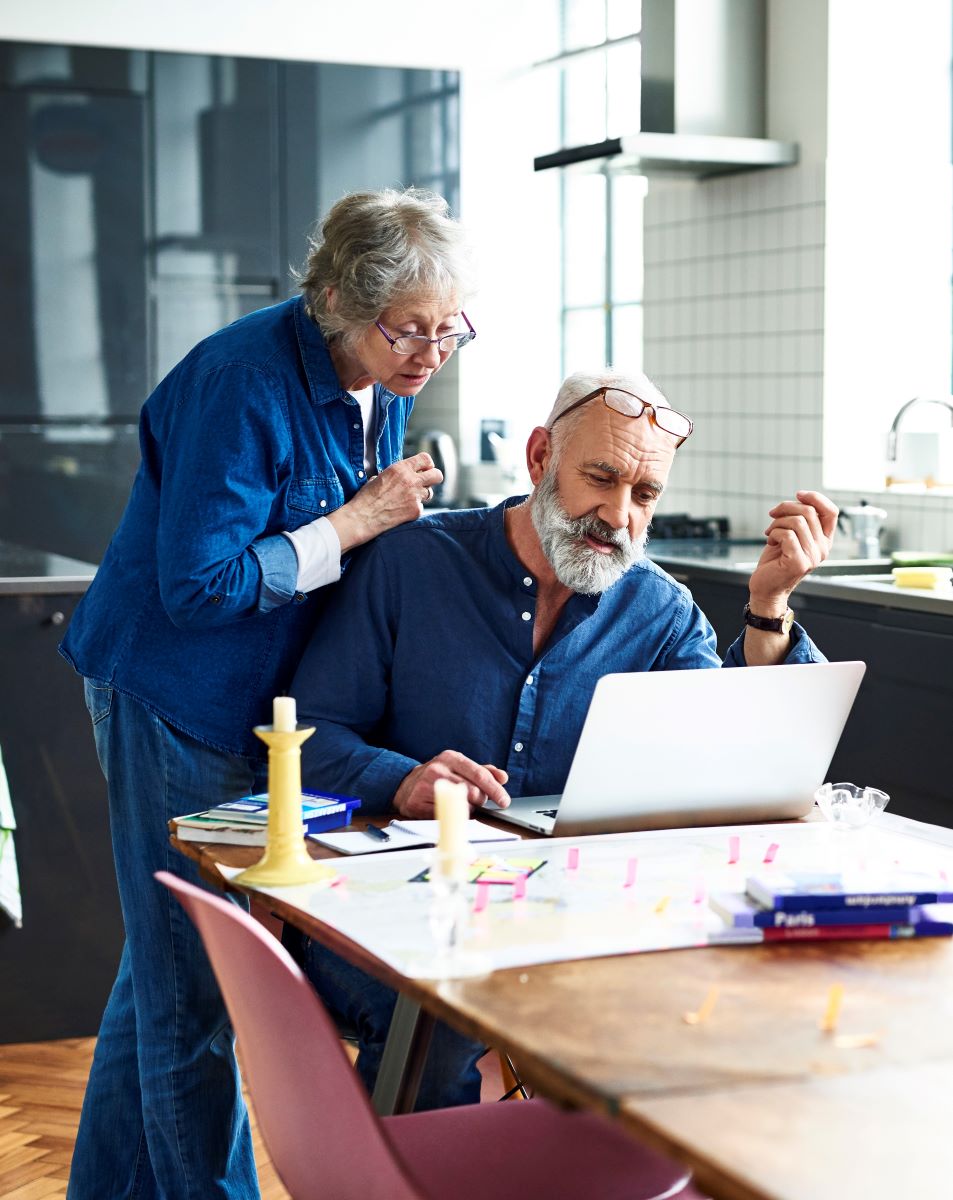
(55, 618)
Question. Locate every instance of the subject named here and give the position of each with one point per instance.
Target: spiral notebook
(408, 835)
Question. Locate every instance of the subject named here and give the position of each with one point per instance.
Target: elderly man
(467, 645)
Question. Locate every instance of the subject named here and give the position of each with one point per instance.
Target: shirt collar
(319, 369)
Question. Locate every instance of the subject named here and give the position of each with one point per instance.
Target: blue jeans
(163, 1117)
(360, 1003)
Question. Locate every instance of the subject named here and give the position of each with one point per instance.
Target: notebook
(672, 749)
(408, 835)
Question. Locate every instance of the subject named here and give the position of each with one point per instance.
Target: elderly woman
(270, 451)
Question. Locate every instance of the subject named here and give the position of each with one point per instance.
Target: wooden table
(759, 1102)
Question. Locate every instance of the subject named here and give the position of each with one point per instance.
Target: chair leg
(513, 1088)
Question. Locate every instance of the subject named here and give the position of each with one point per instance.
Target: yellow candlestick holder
(286, 860)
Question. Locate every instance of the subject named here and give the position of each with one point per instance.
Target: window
(591, 77)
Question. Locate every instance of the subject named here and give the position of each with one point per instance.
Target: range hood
(702, 94)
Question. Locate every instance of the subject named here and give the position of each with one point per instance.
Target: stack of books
(804, 906)
(244, 822)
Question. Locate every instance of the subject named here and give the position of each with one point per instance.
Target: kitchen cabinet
(897, 737)
(58, 968)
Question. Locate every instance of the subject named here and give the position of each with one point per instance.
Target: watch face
(787, 621)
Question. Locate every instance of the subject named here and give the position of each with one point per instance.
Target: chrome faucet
(895, 427)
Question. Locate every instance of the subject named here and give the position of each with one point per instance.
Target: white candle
(453, 813)
(284, 718)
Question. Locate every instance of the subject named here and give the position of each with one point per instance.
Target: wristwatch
(770, 624)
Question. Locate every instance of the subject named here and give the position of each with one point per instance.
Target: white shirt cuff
(318, 548)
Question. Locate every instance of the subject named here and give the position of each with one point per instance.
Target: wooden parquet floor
(41, 1093)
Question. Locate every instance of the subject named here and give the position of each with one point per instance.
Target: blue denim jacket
(194, 610)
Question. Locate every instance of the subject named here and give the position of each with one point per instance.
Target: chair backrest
(315, 1117)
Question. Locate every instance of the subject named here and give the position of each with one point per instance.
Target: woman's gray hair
(580, 383)
(378, 249)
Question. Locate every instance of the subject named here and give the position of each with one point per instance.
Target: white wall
(361, 31)
(754, 284)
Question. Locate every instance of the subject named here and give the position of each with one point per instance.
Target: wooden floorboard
(41, 1093)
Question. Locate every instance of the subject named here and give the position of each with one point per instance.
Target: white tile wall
(734, 334)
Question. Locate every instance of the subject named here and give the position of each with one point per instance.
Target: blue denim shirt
(428, 646)
(194, 610)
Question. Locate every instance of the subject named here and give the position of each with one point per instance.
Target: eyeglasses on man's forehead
(630, 405)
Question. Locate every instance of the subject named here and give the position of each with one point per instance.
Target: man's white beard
(577, 565)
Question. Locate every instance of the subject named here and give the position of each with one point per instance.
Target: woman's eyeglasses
(413, 343)
(630, 405)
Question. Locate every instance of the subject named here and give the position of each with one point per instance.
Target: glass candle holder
(848, 806)
(449, 920)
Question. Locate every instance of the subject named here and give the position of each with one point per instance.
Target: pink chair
(327, 1143)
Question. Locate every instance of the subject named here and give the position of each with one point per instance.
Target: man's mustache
(590, 524)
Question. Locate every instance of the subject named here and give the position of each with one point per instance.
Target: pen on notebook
(378, 835)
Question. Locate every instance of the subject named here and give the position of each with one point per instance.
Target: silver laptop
(666, 749)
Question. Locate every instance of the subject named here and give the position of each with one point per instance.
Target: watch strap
(780, 624)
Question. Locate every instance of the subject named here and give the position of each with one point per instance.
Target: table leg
(403, 1060)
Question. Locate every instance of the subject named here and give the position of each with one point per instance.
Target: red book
(815, 933)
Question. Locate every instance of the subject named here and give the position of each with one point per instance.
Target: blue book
(800, 891)
(741, 912)
(319, 810)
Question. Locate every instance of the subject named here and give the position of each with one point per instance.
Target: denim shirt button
(360, 474)
(300, 597)
(529, 681)
(324, 503)
(528, 581)
(527, 616)
(215, 599)
(518, 747)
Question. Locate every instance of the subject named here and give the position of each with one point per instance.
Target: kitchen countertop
(25, 571)
(732, 561)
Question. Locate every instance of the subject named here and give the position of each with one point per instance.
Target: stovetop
(683, 526)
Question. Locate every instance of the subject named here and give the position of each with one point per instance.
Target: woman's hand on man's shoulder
(392, 498)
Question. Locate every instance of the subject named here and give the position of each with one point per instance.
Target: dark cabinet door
(73, 266)
(897, 737)
(57, 970)
(217, 183)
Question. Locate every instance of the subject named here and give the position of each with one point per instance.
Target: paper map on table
(628, 893)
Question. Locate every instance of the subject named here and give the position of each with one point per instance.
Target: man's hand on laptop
(414, 797)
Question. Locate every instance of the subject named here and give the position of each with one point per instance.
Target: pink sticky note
(771, 852)
(519, 887)
(734, 848)
(572, 859)
(631, 867)
(482, 897)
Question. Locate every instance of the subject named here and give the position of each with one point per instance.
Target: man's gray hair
(378, 249)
